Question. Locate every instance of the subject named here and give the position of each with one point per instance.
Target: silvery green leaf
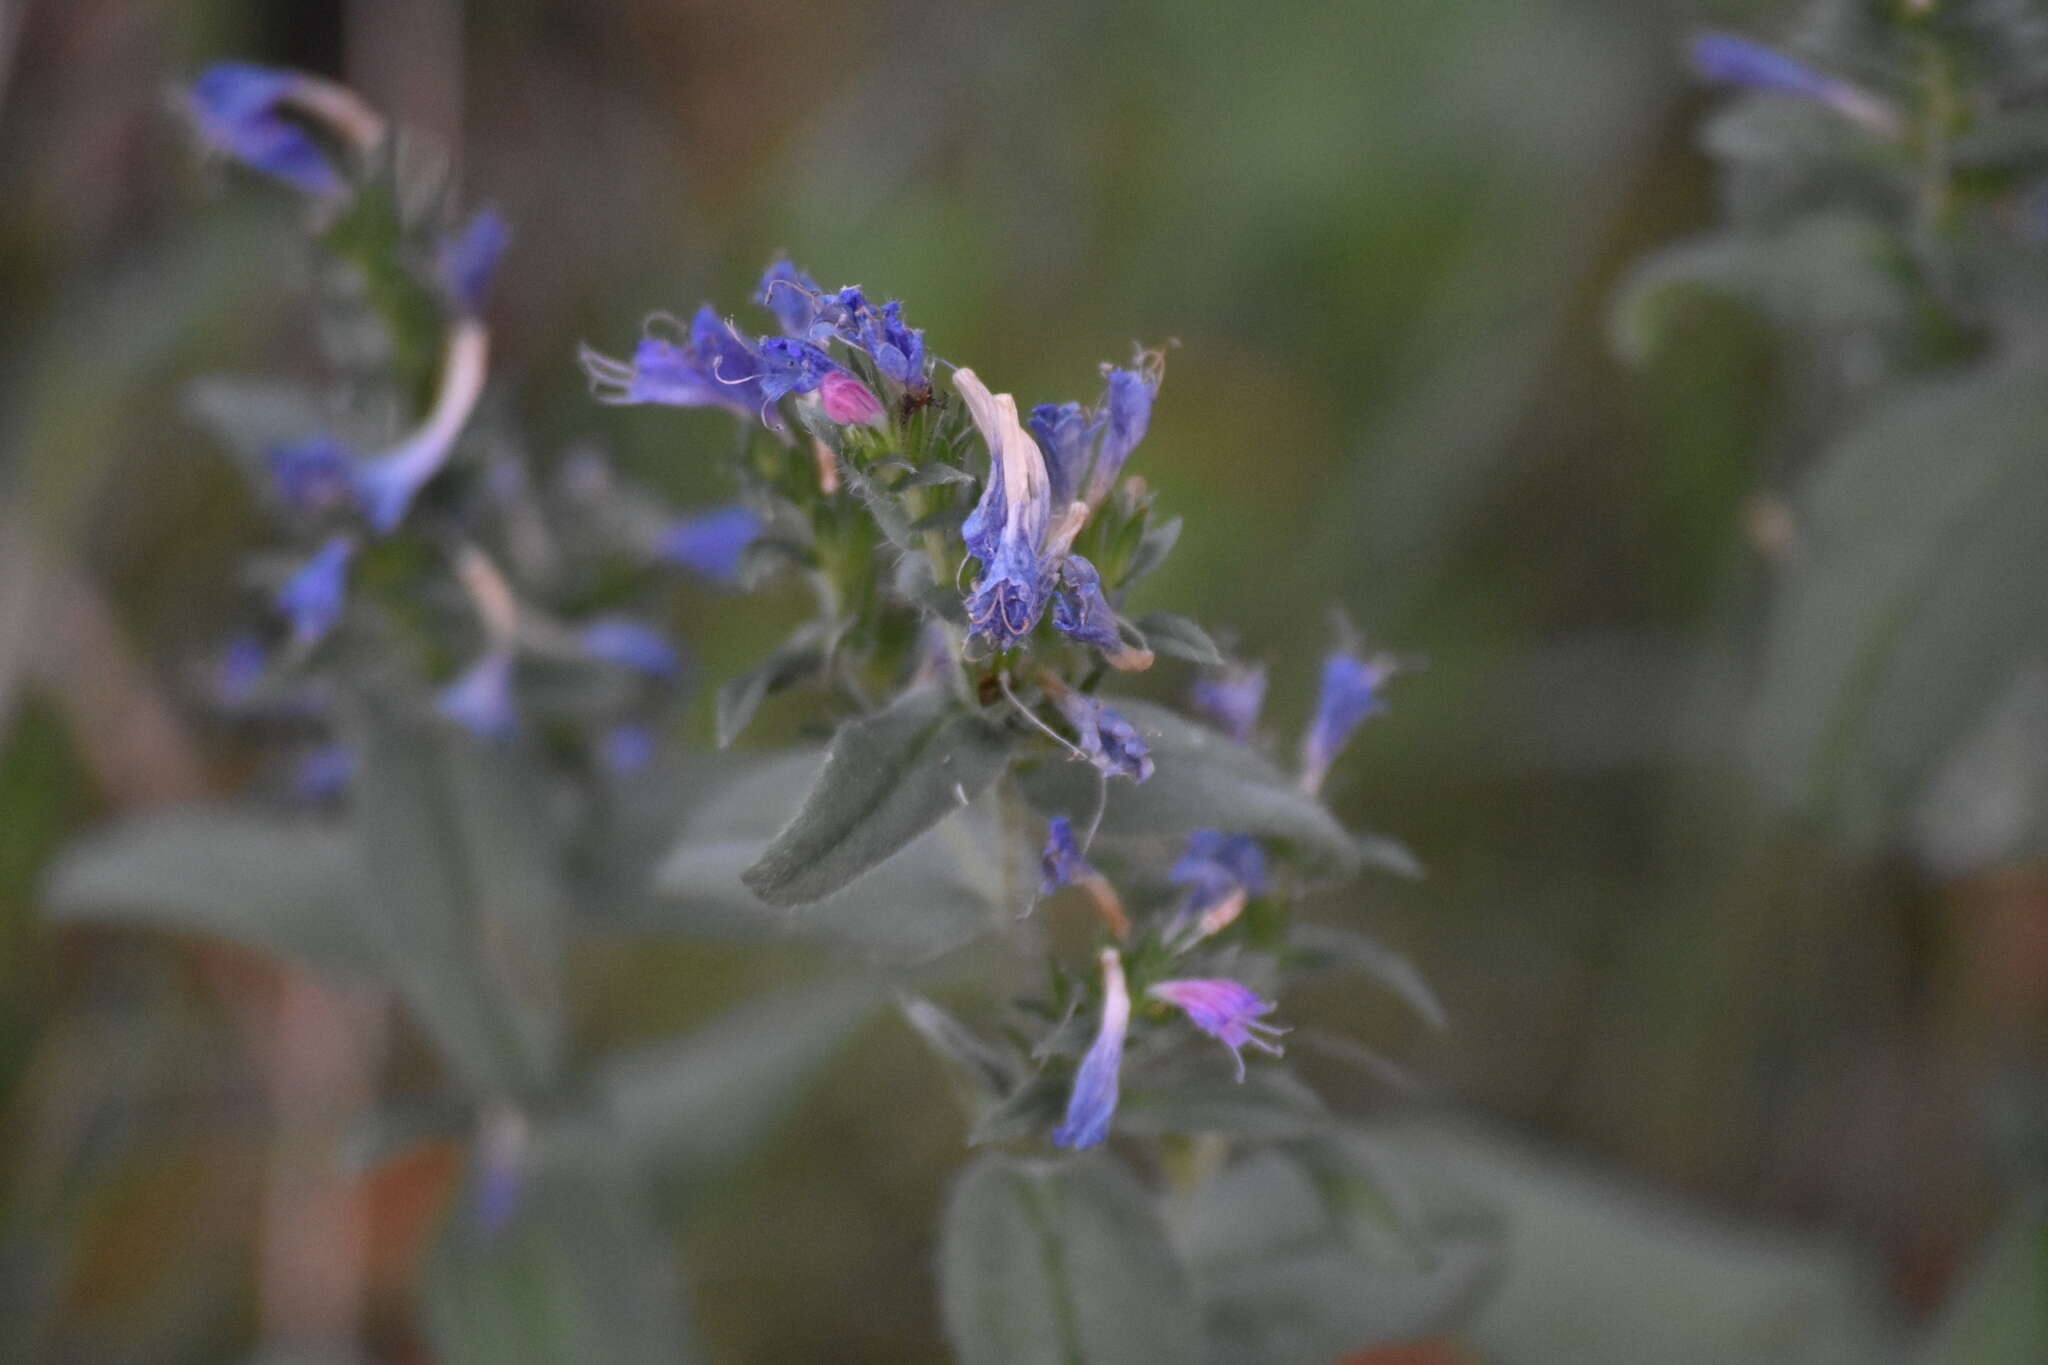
(289, 887)
(1268, 1103)
(1389, 854)
(249, 416)
(1327, 947)
(887, 778)
(885, 507)
(1171, 633)
(981, 1072)
(936, 472)
(1060, 1263)
(1157, 544)
(795, 659)
(1203, 780)
(1032, 1110)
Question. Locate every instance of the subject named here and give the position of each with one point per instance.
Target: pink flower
(847, 401)
(1226, 1011)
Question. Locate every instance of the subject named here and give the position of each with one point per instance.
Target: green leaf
(981, 1072)
(1914, 597)
(887, 778)
(249, 416)
(885, 507)
(937, 472)
(1157, 544)
(1204, 781)
(1060, 1264)
(689, 1108)
(1171, 633)
(1389, 854)
(463, 872)
(1327, 946)
(799, 657)
(1268, 1103)
(943, 889)
(579, 1273)
(288, 887)
(2000, 1316)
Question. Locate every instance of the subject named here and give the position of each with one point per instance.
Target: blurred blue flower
(630, 644)
(709, 366)
(1080, 611)
(626, 748)
(897, 349)
(1061, 862)
(312, 475)
(1093, 1101)
(1233, 698)
(1350, 693)
(1221, 872)
(387, 484)
(323, 773)
(792, 295)
(470, 257)
(1226, 1011)
(1109, 741)
(313, 597)
(1126, 414)
(1065, 432)
(241, 666)
(712, 543)
(235, 108)
(1734, 60)
(481, 699)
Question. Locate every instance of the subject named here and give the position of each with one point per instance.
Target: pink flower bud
(847, 401)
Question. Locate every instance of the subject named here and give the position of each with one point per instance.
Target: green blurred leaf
(689, 1108)
(797, 658)
(1327, 947)
(887, 778)
(249, 416)
(1204, 781)
(1171, 633)
(1060, 1263)
(1156, 545)
(981, 1072)
(1269, 1102)
(2000, 1317)
(1914, 595)
(289, 887)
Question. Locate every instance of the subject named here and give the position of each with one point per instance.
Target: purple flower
(792, 295)
(481, 699)
(897, 350)
(849, 402)
(712, 543)
(1233, 699)
(1224, 1010)
(1066, 433)
(323, 773)
(626, 748)
(1127, 413)
(1083, 614)
(709, 366)
(1093, 1101)
(241, 666)
(312, 475)
(789, 365)
(1350, 693)
(1061, 863)
(387, 484)
(1007, 527)
(1733, 60)
(1221, 871)
(1109, 741)
(313, 597)
(630, 644)
(469, 258)
(234, 106)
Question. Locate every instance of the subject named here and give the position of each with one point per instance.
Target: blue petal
(1061, 862)
(790, 294)
(313, 597)
(1735, 60)
(235, 107)
(1234, 699)
(469, 258)
(713, 543)
(311, 475)
(481, 699)
(791, 366)
(627, 748)
(1349, 693)
(1128, 414)
(323, 773)
(1064, 432)
(631, 644)
(1080, 611)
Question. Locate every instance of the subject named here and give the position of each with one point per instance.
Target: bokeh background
(1691, 1037)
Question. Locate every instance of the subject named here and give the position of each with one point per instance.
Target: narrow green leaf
(1152, 551)
(887, 778)
(937, 472)
(980, 1072)
(1060, 1263)
(1204, 781)
(1268, 1103)
(799, 657)
(1329, 947)
(1171, 633)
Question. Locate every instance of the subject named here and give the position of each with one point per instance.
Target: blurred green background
(1383, 234)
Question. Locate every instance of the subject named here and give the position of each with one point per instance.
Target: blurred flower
(1093, 1102)
(626, 748)
(897, 350)
(1127, 414)
(709, 366)
(849, 402)
(235, 108)
(712, 542)
(1064, 432)
(630, 644)
(1226, 1011)
(1221, 872)
(790, 294)
(1734, 60)
(312, 475)
(481, 699)
(323, 773)
(469, 258)
(313, 597)
(241, 666)
(1233, 698)
(1109, 741)
(1083, 614)
(1350, 693)
(1061, 863)
(1005, 528)
(791, 366)
(387, 484)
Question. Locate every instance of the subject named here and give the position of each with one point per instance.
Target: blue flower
(713, 543)
(1127, 413)
(1221, 872)
(323, 773)
(312, 475)
(241, 666)
(709, 366)
(792, 295)
(1226, 1011)
(469, 258)
(1350, 693)
(1093, 1101)
(897, 350)
(1083, 614)
(1065, 432)
(313, 597)
(789, 365)
(481, 699)
(630, 644)
(1061, 863)
(235, 107)
(386, 485)
(1109, 741)
(1734, 60)
(1006, 529)
(626, 748)
(1233, 698)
